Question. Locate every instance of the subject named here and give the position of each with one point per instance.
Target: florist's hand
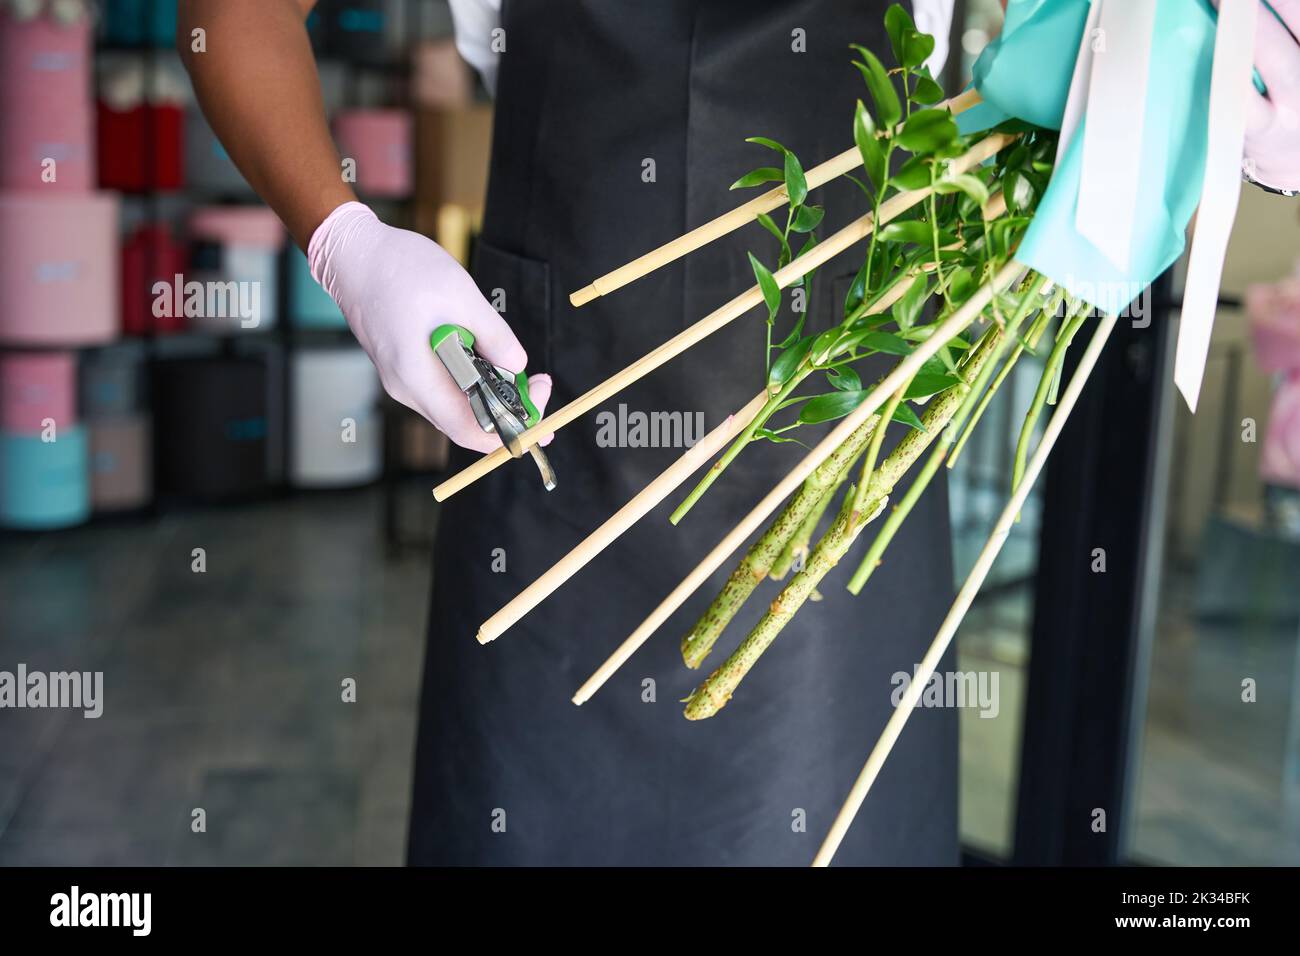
(1273, 125)
(395, 287)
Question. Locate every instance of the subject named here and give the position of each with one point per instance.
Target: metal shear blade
(494, 399)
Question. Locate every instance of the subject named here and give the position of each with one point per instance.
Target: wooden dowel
(632, 512)
(818, 255)
(819, 175)
(902, 373)
(880, 753)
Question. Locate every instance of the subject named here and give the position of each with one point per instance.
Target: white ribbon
(1118, 41)
(1230, 80)
(1109, 84)
(1077, 101)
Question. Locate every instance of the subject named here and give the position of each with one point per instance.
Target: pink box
(46, 109)
(380, 143)
(58, 268)
(36, 386)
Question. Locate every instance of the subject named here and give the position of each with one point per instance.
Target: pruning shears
(499, 398)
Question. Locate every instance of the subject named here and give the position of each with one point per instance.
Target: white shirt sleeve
(935, 18)
(476, 19)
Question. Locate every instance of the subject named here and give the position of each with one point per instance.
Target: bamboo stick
(819, 175)
(880, 753)
(817, 256)
(632, 512)
(902, 372)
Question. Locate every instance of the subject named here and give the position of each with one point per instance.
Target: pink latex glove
(394, 288)
(1272, 155)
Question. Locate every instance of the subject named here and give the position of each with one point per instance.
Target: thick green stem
(759, 560)
(795, 552)
(712, 695)
(716, 690)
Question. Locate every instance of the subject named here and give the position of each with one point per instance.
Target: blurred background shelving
(113, 183)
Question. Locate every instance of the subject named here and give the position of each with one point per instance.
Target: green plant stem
(711, 695)
(1036, 328)
(859, 498)
(1054, 359)
(769, 408)
(941, 286)
(976, 371)
(879, 199)
(763, 553)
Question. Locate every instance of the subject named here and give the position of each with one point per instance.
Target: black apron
(508, 770)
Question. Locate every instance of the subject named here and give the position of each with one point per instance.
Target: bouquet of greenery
(918, 270)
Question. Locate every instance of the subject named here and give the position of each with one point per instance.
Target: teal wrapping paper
(1025, 73)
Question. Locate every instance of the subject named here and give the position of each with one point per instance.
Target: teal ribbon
(1025, 73)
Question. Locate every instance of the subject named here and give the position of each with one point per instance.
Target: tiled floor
(223, 693)
(223, 690)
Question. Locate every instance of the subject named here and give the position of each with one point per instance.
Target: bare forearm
(256, 82)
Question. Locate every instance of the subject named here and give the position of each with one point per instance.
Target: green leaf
(756, 177)
(884, 263)
(907, 308)
(807, 247)
(844, 379)
(961, 284)
(925, 384)
(881, 88)
(795, 332)
(972, 186)
(795, 184)
(830, 406)
(769, 143)
(926, 91)
(898, 24)
(917, 48)
(1018, 156)
(771, 291)
(904, 415)
(859, 183)
(909, 230)
(1017, 191)
(773, 436)
(807, 218)
(913, 174)
(885, 342)
(922, 332)
(775, 230)
(823, 343)
(857, 291)
(927, 130)
(788, 361)
(872, 152)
